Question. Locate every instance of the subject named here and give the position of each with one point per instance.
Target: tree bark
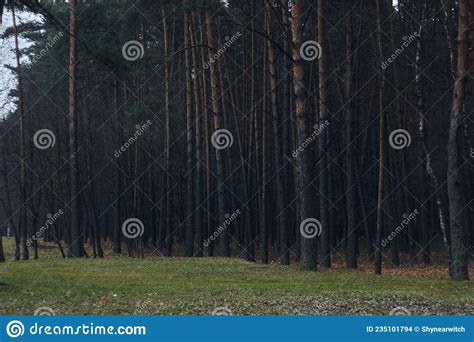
(456, 183)
(381, 181)
(76, 244)
(189, 245)
(166, 230)
(218, 124)
(207, 143)
(198, 215)
(323, 139)
(264, 252)
(304, 159)
(280, 206)
(117, 234)
(351, 184)
(23, 225)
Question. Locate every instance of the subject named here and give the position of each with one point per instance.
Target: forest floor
(180, 286)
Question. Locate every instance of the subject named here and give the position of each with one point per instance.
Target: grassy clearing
(154, 286)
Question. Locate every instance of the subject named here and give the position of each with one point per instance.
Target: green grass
(156, 285)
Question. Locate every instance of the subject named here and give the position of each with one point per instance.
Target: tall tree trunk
(398, 167)
(189, 245)
(117, 233)
(91, 196)
(207, 143)
(218, 124)
(304, 159)
(323, 139)
(282, 226)
(23, 225)
(76, 245)
(426, 157)
(381, 182)
(167, 229)
(351, 184)
(7, 207)
(197, 87)
(287, 122)
(264, 252)
(456, 184)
